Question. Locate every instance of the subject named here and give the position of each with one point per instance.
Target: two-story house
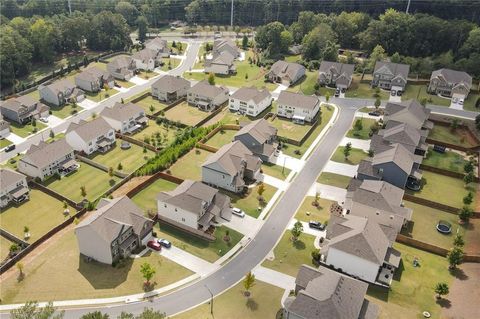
(4, 128)
(410, 112)
(61, 92)
(122, 68)
(22, 109)
(13, 187)
(225, 45)
(160, 46)
(250, 101)
(207, 97)
(94, 79)
(221, 63)
(285, 73)
(336, 74)
(298, 107)
(116, 229)
(390, 76)
(451, 83)
(46, 159)
(146, 59)
(90, 137)
(193, 206)
(231, 167)
(260, 138)
(125, 118)
(170, 88)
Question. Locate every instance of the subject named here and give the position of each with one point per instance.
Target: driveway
(87, 104)
(54, 121)
(328, 192)
(14, 138)
(274, 278)
(290, 162)
(246, 225)
(341, 169)
(307, 229)
(187, 260)
(138, 80)
(357, 143)
(270, 180)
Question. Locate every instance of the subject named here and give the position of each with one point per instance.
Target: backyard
(189, 166)
(4, 247)
(276, 171)
(450, 160)
(46, 280)
(364, 133)
(27, 129)
(186, 114)
(356, 155)
(149, 101)
(250, 203)
(289, 129)
(307, 212)
(333, 179)
(157, 135)
(130, 159)
(221, 138)
(307, 85)
(445, 134)
(146, 199)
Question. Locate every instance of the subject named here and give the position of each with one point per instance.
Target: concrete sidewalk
(356, 143)
(292, 163)
(274, 278)
(341, 169)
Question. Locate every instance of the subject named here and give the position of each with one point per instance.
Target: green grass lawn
(169, 64)
(221, 138)
(412, 289)
(186, 114)
(146, 75)
(445, 134)
(264, 302)
(148, 101)
(289, 255)
(146, 199)
(333, 179)
(290, 149)
(469, 103)
(287, 128)
(277, 171)
(449, 160)
(363, 90)
(419, 92)
(209, 251)
(424, 224)
(130, 159)
(307, 212)
(12, 163)
(4, 247)
(41, 213)
(364, 133)
(163, 134)
(444, 189)
(65, 111)
(356, 155)
(307, 84)
(52, 274)
(27, 129)
(96, 182)
(124, 84)
(110, 59)
(249, 203)
(99, 96)
(4, 143)
(189, 166)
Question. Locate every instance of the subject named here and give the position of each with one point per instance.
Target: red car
(154, 245)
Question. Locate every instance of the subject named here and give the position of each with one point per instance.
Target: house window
(183, 219)
(176, 210)
(165, 205)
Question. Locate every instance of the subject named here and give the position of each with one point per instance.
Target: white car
(43, 119)
(238, 212)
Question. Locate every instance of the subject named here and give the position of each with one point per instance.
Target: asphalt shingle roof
(43, 154)
(298, 100)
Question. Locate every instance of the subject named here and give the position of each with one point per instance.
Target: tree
(147, 313)
(395, 58)
(142, 24)
(468, 199)
(378, 54)
(455, 257)
(51, 134)
(95, 315)
(244, 42)
(211, 79)
(296, 230)
(119, 166)
(458, 241)
(327, 96)
(318, 42)
(441, 289)
(317, 198)
(65, 205)
(377, 103)
(261, 189)
(128, 11)
(347, 149)
(468, 178)
(248, 283)
(358, 125)
(83, 191)
(109, 31)
(43, 40)
(454, 124)
(31, 310)
(465, 213)
(110, 172)
(468, 167)
(151, 108)
(147, 272)
(13, 248)
(371, 153)
(20, 267)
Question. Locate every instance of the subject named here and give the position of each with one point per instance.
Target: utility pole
(408, 7)
(231, 15)
(69, 7)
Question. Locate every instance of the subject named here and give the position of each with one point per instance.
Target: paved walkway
(341, 169)
(356, 143)
(290, 162)
(328, 192)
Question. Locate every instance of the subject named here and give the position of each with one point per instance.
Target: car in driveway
(154, 245)
(164, 243)
(316, 225)
(238, 212)
(374, 113)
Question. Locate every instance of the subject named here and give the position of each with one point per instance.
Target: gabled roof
(453, 77)
(121, 62)
(251, 94)
(259, 129)
(93, 74)
(298, 100)
(90, 130)
(231, 157)
(9, 177)
(398, 155)
(224, 58)
(112, 216)
(396, 69)
(122, 112)
(157, 43)
(60, 86)
(327, 294)
(170, 83)
(16, 103)
(286, 69)
(337, 68)
(411, 107)
(145, 55)
(203, 88)
(43, 154)
(403, 133)
(222, 45)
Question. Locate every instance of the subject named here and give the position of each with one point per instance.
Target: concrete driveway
(356, 143)
(246, 225)
(328, 192)
(187, 260)
(341, 169)
(290, 162)
(87, 104)
(270, 180)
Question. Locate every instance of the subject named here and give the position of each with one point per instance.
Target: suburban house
(207, 97)
(225, 45)
(61, 92)
(231, 167)
(160, 46)
(170, 88)
(410, 112)
(298, 107)
(122, 68)
(411, 138)
(361, 248)
(250, 101)
(193, 206)
(90, 137)
(111, 232)
(4, 128)
(125, 118)
(378, 201)
(451, 83)
(260, 138)
(221, 63)
(325, 293)
(94, 79)
(13, 187)
(336, 74)
(390, 76)
(395, 166)
(285, 73)
(146, 59)
(46, 159)
(22, 109)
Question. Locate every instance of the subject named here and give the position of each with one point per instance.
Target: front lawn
(169, 64)
(449, 160)
(287, 128)
(124, 84)
(307, 85)
(189, 166)
(99, 96)
(364, 133)
(209, 251)
(249, 203)
(363, 90)
(356, 155)
(131, 159)
(446, 135)
(146, 75)
(146, 199)
(61, 273)
(40, 214)
(419, 92)
(150, 101)
(277, 171)
(96, 182)
(264, 302)
(307, 212)
(444, 189)
(65, 111)
(469, 103)
(27, 129)
(412, 289)
(4, 143)
(221, 138)
(186, 114)
(289, 255)
(333, 179)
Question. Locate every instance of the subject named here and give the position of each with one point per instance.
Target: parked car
(337, 92)
(165, 243)
(154, 245)
(43, 119)
(10, 148)
(374, 113)
(238, 212)
(393, 93)
(316, 225)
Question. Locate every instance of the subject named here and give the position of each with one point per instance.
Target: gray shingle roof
(203, 88)
(453, 77)
(230, 157)
(337, 68)
(412, 107)
(16, 103)
(157, 43)
(397, 69)
(286, 69)
(122, 112)
(93, 74)
(222, 45)
(403, 133)
(43, 154)
(9, 177)
(251, 94)
(298, 100)
(259, 129)
(145, 55)
(61, 86)
(399, 155)
(90, 130)
(170, 83)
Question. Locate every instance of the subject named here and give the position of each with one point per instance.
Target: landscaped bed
(307, 211)
(52, 274)
(449, 160)
(186, 114)
(333, 179)
(40, 214)
(209, 251)
(250, 203)
(146, 199)
(356, 155)
(221, 138)
(130, 159)
(276, 171)
(364, 133)
(445, 134)
(189, 166)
